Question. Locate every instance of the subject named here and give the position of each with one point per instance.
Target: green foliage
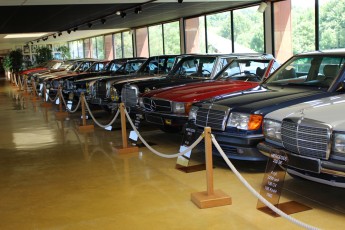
(44, 54)
(16, 59)
(65, 52)
(7, 63)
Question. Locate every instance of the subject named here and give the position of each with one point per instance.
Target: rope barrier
(162, 154)
(99, 124)
(53, 100)
(68, 109)
(255, 193)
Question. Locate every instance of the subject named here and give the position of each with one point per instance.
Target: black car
(102, 92)
(236, 119)
(76, 84)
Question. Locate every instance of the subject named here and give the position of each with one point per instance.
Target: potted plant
(44, 54)
(16, 59)
(65, 52)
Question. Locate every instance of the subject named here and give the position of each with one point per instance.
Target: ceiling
(51, 16)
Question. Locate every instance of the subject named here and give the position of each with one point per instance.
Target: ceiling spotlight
(118, 13)
(38, 40)
(54, 36)
(103, 20)
(75, 29)
(262, 7)
(60, 33)
(138, 10)
(89, 24)
(123, 14)
(32, 43)
(179, 1)
(68, 31)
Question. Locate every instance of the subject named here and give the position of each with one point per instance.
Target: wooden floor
(53, 177)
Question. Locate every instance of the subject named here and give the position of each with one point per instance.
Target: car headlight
(141, 102)
(178, 107)
(272, 130)
(113, 94)
(48, 86)
(339, 143)
(245, 121)
(193, 112)
(147, 89)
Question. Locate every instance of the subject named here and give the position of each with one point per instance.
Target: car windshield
(316, 71)
(244, 70)
(194, 67)
(130, 67)
(157, 65)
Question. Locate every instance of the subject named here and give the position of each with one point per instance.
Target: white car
(312, 135)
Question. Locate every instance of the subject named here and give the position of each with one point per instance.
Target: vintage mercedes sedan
(236, 119)
(191, 68)
(169, 107)
(312, 136)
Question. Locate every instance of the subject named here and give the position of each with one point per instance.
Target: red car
(169, 107)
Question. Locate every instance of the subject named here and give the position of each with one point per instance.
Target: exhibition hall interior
(172, 114)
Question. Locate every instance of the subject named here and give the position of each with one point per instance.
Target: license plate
(303, 163)
(154, 119)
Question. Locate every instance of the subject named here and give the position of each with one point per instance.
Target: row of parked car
(254, 106)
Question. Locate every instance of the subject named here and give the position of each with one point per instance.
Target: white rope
(68, 109)
(50, 99)
(15, 79)
(162, 154)
(99, 124)
(253, 191)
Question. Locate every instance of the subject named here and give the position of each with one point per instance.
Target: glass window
(332, 24)
(195, 66)
(118, 45)
(142, 42)
(248, 30)
(155, 40)
(100, 47)
(127, 44)
(87, 51)
(219, 33)
(195, 35)
(172, 38)
(314, 71)
(80, 48)
(93, 47)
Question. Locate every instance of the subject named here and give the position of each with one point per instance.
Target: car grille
(157, 105)
(213, 116)
(129, 96)
(100, 89)
(306, 138)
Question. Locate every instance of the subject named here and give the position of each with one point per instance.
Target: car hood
(262, 99)
(194, 92)
(328, 110)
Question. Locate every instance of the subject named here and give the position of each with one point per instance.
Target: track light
(262, 7)
(123, 14)
(54, 36)
(68, 31)
(118, 13)
(89, 24)
(75, 29)
(60, 33)
(179, 1)
(138, 10)
(32, 43)
(103, 20)
(38, 40)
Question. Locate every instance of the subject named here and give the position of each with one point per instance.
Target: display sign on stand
(133, 137)
(183, 162)
(272, 186)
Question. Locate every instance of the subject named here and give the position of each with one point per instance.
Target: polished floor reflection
(53, 177)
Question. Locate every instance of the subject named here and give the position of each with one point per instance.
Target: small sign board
(272, 185)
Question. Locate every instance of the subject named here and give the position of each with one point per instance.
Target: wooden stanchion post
(20, 84)
(45, 102)
(124, 148)
(26, 87)
(34, 97)
(60, 114)
(210, 198)
(84, 127)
